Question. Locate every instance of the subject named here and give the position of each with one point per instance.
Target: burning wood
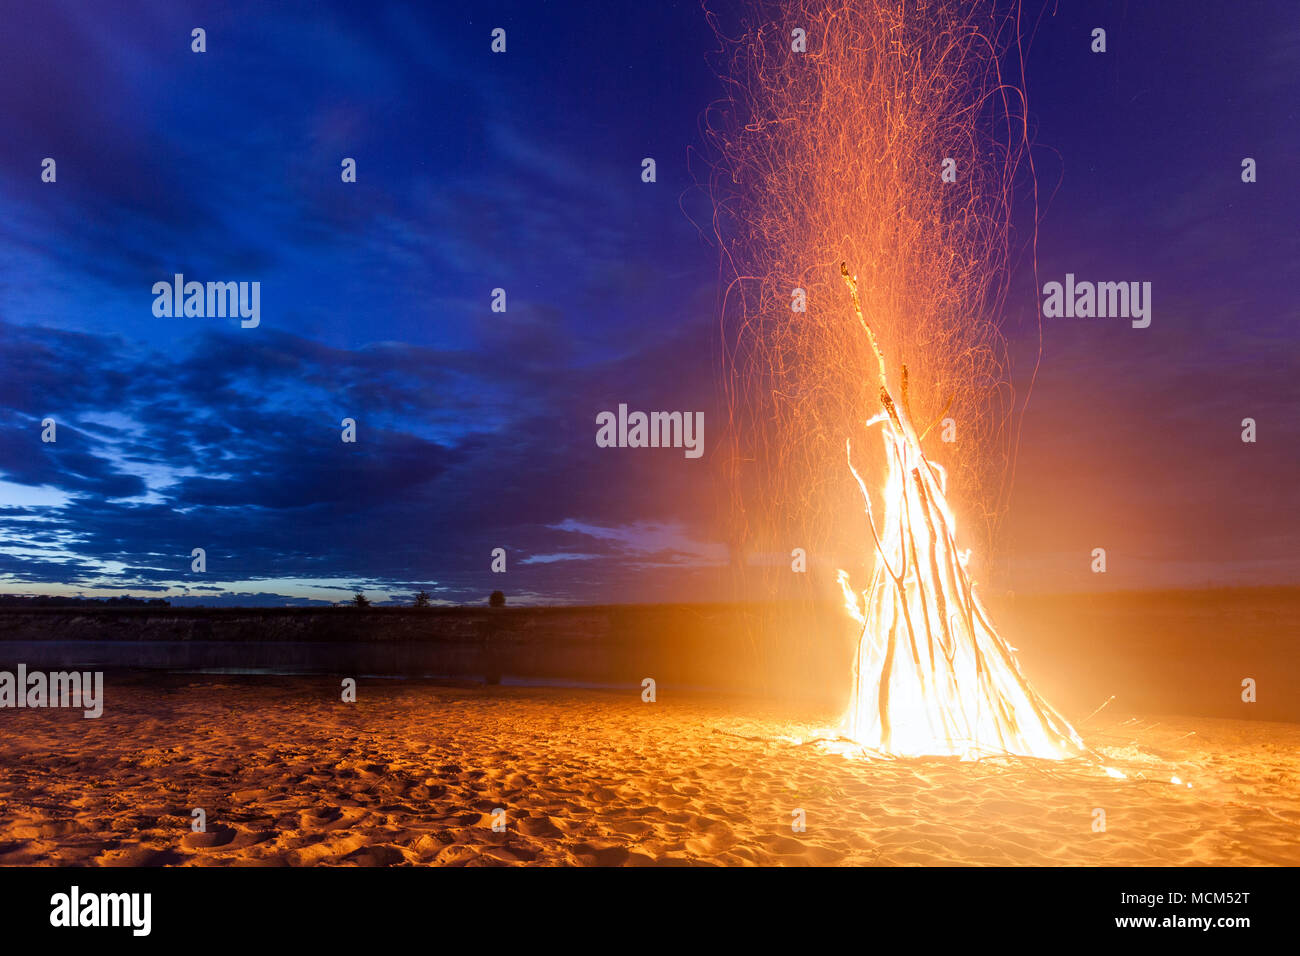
(891, 139)
(931, 675)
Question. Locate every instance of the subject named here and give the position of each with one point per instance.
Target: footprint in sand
(382, 855)
(325, 849)
(399, 808)
(601, 856)
(215, 836)
(508, 854)
(782, 845)
(139, 856)
(539, 826)
(329, 818)
(457, 855)
(630, 828)
(43, 829)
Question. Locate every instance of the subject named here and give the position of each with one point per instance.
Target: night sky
(522, 171)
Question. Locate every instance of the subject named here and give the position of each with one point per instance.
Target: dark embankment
(716, 646)
(1184, 652)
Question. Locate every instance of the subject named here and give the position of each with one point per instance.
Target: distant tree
(360, 600)
(423, 599)
(498, 599)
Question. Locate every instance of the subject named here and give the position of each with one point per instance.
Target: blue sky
(522, 171)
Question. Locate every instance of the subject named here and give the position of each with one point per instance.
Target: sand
(287, 774)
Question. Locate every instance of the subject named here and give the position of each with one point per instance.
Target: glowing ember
(891, 140)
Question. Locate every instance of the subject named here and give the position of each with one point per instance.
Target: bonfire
(888, 134)
(931, 674)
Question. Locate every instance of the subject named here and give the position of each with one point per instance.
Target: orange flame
(837, 152)
(931, 675)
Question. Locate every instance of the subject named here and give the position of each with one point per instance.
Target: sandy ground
(412, 772)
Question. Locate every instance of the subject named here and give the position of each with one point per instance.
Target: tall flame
(932, 676)
(891, 139)
(838, 153)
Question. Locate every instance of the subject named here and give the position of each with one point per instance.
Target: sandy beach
(413, 771)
